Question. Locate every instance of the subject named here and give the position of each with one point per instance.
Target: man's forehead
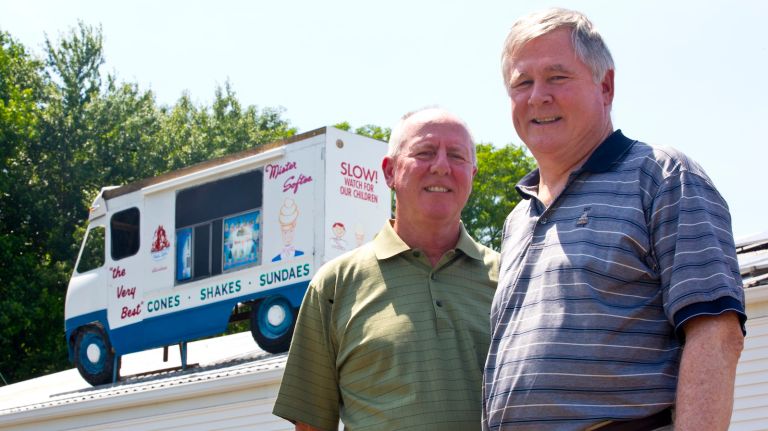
(427, 131)
(563, 35)
(427, 140)
(523, 67)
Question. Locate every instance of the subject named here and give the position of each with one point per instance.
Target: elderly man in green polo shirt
(393, 335)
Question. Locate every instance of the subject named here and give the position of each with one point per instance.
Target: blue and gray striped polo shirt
(594, 289)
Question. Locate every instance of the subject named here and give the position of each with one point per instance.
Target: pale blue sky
(684, 69)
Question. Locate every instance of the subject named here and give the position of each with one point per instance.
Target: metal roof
(223, 363)
(752, 252)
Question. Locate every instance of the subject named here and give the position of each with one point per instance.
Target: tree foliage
(28, 277)
(493, 191)
(369, 130)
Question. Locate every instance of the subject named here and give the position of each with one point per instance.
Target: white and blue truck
(177, 257)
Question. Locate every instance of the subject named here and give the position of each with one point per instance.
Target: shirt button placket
(437, 304)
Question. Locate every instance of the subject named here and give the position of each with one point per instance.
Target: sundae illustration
(289, 213)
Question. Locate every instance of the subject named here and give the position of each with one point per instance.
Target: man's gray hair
(587, 42)
(396, 136)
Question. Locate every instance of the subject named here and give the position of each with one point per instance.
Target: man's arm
(707, 372)
(309, 391)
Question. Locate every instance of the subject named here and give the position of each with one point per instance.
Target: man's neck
(554, 172)
(433, 239)
(554, 177)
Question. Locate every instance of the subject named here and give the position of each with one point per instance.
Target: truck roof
(140, 184)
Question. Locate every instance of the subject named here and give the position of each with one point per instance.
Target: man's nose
(540, 94)
(441, 164)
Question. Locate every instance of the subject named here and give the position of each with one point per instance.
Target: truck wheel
(272, 322)
(94, 356)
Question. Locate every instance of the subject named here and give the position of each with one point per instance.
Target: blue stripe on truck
(175, 327)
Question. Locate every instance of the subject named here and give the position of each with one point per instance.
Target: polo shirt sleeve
(309, 389)
(694, 250)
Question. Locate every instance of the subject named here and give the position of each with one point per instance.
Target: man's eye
(522, 84)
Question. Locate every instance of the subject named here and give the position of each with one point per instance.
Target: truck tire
(94, 356)
(272, 322)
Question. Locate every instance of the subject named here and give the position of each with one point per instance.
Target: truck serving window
(218, 226)
(125, 233)
(93, 250)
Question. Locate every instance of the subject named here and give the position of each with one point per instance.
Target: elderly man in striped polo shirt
(394, 335)
(619, 299)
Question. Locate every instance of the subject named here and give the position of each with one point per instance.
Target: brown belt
(647, 423)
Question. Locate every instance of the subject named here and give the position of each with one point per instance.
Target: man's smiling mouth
(545, 120)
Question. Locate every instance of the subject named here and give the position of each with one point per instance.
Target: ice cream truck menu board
(241, 240)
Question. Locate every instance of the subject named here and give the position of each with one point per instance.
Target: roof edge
(140, 184)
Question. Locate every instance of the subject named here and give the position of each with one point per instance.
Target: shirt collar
(387, 243)
(610, 151)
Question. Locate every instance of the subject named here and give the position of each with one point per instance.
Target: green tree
(28, 276)
(344, 125)
(123, 143)
(182, 137)
(191, 134)
(375, 132)
(66, 140)
(493, 191)
(369, 130)
(233, 129)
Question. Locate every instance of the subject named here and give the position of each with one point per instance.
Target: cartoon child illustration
(337, 239)
(359, 235)
(289, 212)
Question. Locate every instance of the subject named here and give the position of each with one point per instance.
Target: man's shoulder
(473, 248)
(661, 161)
(491, 261)
(358, 260)
(483, 261)
(490, 256)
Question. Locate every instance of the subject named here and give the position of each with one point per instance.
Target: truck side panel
(357, 199)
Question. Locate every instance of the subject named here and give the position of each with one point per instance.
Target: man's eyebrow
(423, 143)
(557, 68)
(516, 74)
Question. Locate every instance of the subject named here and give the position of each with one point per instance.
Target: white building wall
(236, 396)
(750, 410)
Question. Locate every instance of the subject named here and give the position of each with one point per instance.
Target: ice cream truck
(177, 257)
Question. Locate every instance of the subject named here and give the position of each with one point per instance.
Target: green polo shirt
(386, 342)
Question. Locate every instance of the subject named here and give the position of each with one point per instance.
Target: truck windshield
(93, 250)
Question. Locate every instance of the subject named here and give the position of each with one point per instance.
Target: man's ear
(388, 167)
(607, 87)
